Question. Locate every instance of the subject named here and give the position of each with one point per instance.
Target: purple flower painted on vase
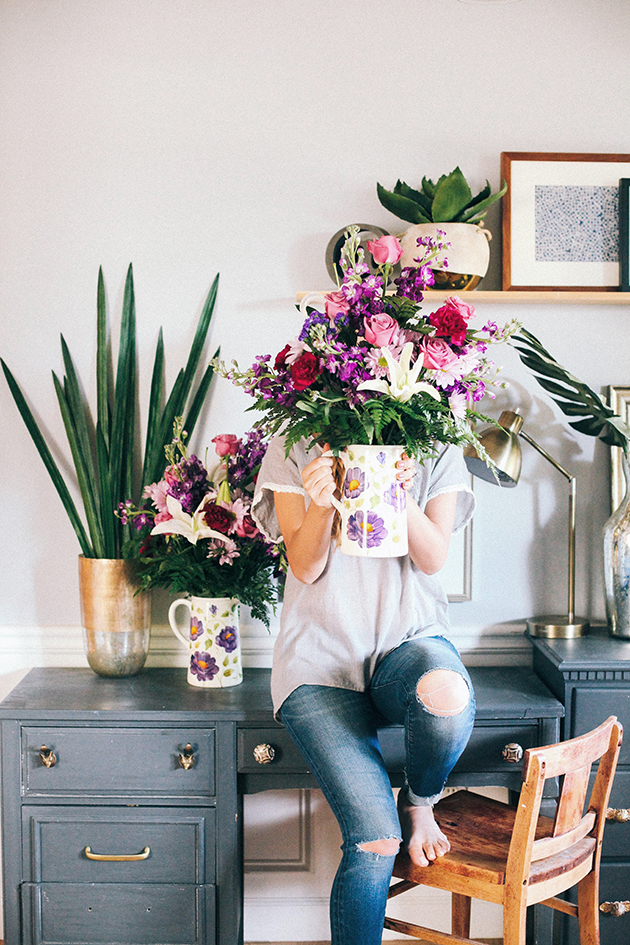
(203, 666)
(373, 528)
(381, 457)
(228, 639)
(354, 483)
(213, 609)
(396, 496)
(196, 628)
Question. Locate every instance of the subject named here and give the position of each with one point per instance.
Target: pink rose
(455, 304)
(437, 354)
(163, 517)
(227, 444)
(387, 250)
(380, 330)
(336, 302)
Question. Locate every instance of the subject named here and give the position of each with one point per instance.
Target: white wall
(196, 136)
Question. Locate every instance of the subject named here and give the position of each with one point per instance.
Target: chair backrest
(572, 762)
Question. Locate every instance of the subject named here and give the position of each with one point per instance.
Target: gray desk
(117, 787)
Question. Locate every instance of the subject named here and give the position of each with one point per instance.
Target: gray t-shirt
(333, 632)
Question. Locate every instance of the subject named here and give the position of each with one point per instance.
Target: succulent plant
(450, 200)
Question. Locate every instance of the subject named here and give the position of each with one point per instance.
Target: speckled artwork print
(576, 223)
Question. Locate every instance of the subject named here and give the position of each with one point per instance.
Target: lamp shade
(504, 450)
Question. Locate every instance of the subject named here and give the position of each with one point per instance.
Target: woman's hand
(318, 480)
(406, 471)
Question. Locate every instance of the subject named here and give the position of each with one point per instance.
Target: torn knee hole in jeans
(443, 692)
(388, 846)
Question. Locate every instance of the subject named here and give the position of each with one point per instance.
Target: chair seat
(480, 831)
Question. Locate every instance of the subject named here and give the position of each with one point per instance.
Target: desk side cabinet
(591, 676)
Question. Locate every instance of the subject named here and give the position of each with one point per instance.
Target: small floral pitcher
(213, 637)
(373, 504)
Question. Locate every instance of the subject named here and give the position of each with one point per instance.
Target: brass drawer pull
(621, 815)
(264, 754)
(115, 858)
(187, 757)
(615, 908)
(49, 758)
(512, 753)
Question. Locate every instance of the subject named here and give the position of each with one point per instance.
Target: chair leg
(460, 915)
(514, 922)
(588, 909)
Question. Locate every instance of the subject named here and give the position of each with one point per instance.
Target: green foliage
(450, 200)
(574, 398)
(103, 452)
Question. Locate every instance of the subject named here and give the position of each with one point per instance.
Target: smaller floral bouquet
(196, 535)
(369, 367)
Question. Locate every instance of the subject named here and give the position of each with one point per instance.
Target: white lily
(403, 379)
(312, 300)
(191, 527)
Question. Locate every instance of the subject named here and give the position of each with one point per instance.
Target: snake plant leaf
(153, 419)
(50, 464)
(199, 398)
(79, 413)
(402, 207)
(572, 396)
(451, 196)
(103, 395)
(81, 466)
(111, 525)
(200, 337)
(121, 447)
(406, 191)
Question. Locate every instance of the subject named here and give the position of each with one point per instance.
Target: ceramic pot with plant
(103, 449)
(447, 205)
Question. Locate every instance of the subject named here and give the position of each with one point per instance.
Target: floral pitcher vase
(373, 505)
(211, 633)
(617, 563)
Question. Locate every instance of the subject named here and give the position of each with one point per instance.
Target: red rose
(281, 357)
(305, 370)
(450, 321)
(215, 516)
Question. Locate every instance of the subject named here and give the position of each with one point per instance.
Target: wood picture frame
(561, 221)
(624, 234)
(619, 400)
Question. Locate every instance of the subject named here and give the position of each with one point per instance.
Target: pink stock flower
(380, 330)
(385, 251)
(226, 444)
(336, 302)
(437, 354)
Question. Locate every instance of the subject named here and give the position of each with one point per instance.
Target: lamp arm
(572, 510)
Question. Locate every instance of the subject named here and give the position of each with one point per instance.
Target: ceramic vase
(212, 634)
(468, 254)
(617, 563)
(373, 504)
(116, 619)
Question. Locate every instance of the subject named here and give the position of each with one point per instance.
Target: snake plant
(450, 200)
(575, 399)
(103, 451)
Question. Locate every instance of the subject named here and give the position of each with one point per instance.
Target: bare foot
(421, 835)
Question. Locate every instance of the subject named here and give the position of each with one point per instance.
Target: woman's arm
(307, 532)
(429, 532)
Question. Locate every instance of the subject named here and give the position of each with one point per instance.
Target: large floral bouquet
(369, 367)
(196, 536)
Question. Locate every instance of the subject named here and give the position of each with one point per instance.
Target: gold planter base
(116, 624)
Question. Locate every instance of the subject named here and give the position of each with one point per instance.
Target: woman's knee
(443, 692)
(385, 847)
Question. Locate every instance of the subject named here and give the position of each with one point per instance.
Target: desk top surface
(69, 694)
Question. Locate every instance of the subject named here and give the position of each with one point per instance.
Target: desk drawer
(175, 845)
(117, 761)
(269, 750)
(592, 706)
(130, 914)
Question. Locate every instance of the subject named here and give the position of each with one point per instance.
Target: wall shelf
(516, 297)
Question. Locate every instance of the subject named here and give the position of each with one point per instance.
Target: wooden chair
(515, 857)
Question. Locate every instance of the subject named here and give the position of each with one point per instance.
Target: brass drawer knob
(264, 754)
(512, 753)
(621, 815)
(615, 908)
(187, 757)
(49, 758)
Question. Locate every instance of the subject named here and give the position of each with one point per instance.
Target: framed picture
(619, 400)
(456, 575)
(561, 220)
(624, 234)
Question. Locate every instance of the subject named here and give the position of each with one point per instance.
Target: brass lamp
(502, 446)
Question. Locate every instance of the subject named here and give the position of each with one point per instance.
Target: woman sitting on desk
(361, 638)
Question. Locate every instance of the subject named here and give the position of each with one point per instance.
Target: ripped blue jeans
(336, 731)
